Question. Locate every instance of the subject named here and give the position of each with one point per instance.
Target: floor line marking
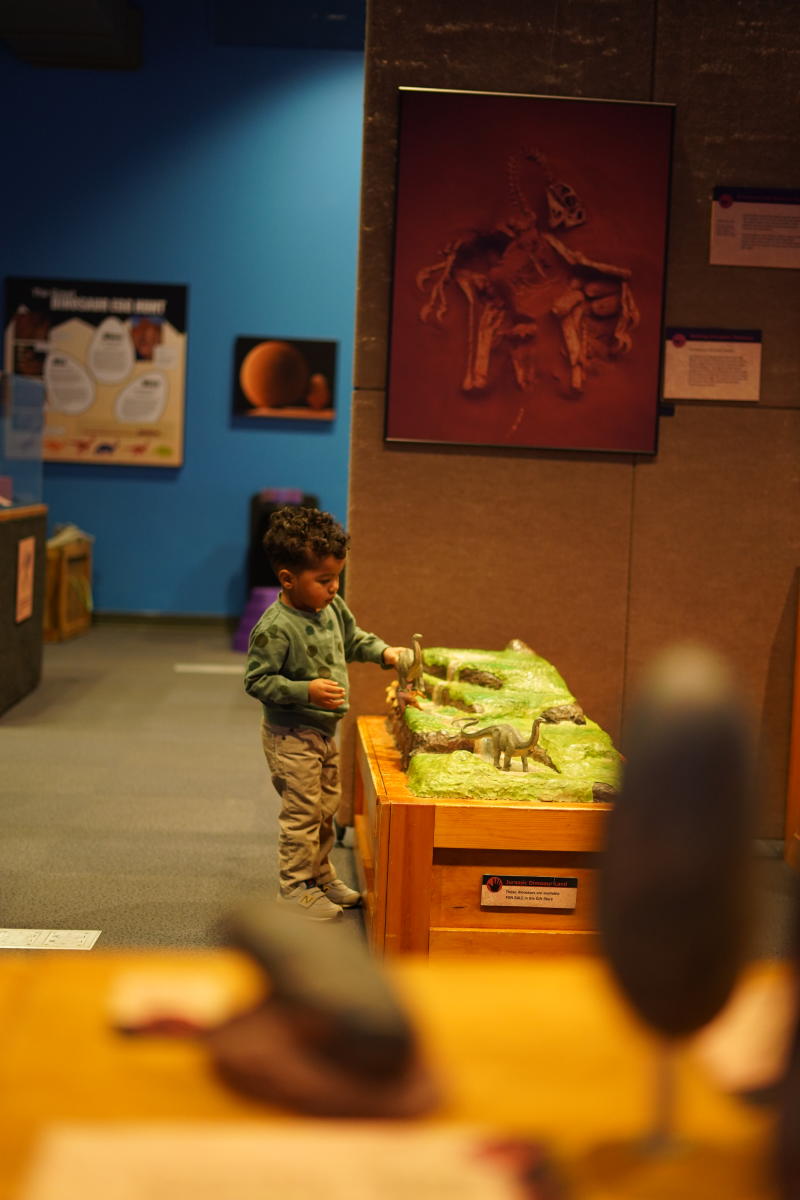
(209, 669)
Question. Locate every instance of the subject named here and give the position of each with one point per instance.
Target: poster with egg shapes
(112, 358)
(288, 378)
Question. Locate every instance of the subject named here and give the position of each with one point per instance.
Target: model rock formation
(498, 725)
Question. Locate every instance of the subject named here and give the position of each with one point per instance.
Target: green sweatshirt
(289, 648)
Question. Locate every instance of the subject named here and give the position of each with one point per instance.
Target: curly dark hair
(299, 538)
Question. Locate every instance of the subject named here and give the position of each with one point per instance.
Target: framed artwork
(285, 378)
(111, 358)
(529, 271)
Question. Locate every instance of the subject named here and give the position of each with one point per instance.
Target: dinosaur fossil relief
(528, 274)
(515, 275)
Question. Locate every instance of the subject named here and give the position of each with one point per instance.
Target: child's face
(314, 587)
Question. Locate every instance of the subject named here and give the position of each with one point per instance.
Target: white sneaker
(313, 903)
(340, 893)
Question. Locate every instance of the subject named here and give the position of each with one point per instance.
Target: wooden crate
(421, 863)
(68, 593)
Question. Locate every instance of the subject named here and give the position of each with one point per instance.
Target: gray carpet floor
(135, 800)
(134, 796)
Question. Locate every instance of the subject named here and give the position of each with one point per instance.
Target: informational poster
(712, 364)
(112, 358)
(755, 227)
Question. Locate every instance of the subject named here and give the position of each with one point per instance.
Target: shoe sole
(349, 904)
(308, 913)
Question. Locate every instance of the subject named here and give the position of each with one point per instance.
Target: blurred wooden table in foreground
(539, 1047)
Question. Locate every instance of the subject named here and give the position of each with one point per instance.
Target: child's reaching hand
(391, 654)
(326, 693)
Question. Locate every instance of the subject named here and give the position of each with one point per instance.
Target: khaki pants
(304, 766)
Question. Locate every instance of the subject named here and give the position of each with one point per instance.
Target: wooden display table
(421, 863)
(565, 1063)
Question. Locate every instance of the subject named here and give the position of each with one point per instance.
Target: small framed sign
(712, 364)
(755, 227)
(529, 891)
(26, 562)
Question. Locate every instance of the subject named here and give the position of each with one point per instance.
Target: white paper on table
(337, 1160)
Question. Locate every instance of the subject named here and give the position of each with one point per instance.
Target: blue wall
(234, 170)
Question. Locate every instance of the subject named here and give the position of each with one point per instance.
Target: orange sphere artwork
(274, 375)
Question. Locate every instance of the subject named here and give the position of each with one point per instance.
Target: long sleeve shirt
(290, 647)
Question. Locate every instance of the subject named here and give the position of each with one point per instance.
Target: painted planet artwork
(529, 269)
(284, 378)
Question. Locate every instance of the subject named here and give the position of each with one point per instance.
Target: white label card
(529, 891)
(755, 227)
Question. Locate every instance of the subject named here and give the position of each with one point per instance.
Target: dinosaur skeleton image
(516, 275)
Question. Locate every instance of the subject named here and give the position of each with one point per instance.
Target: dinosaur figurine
(506, 740)
(410, 669)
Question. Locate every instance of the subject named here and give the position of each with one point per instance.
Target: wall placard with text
(712, 364)
(755, 227)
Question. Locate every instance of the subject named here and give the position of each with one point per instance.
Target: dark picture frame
(529, 271)
(284, 378)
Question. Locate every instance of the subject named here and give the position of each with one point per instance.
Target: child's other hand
(326, 693)
(391, 655)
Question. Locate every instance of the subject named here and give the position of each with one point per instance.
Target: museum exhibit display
(480, 806)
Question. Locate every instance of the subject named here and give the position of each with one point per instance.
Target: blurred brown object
(675, 894)
(788, 1132)
(331, 1037)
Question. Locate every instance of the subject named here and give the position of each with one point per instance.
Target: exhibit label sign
(529, 891)
(755, 227)
(712, 364)
(26, 561)
(112, 358)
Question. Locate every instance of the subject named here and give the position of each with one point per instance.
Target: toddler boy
(297, 668)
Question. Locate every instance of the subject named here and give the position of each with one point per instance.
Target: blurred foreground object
(674, 894)
(788, 1136)
(331, 1037)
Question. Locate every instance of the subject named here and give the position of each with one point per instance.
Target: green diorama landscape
(510, 687)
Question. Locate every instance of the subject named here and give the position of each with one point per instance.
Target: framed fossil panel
(529, 271)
